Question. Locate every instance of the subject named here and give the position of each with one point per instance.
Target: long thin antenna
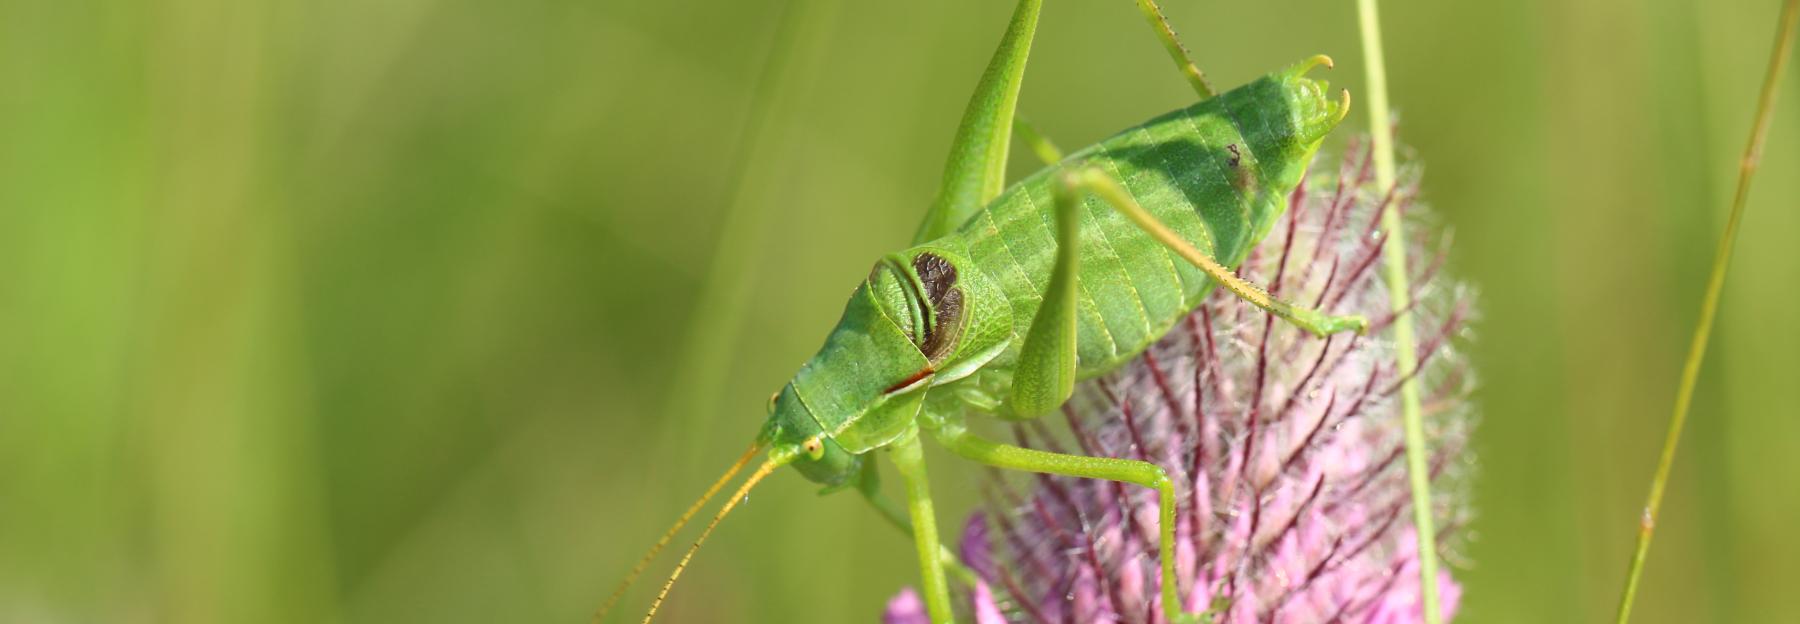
(736, 466)
(743, 490)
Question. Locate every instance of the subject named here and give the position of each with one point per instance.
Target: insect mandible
(1011, 294)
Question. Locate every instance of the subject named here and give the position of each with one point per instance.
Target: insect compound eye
(814, 448)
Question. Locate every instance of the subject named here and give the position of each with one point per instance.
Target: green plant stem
(1709, 306)
(1399, 298)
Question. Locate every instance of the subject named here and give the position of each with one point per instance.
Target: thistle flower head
(1287, 449)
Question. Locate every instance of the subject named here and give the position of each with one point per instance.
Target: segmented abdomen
(1195, 169)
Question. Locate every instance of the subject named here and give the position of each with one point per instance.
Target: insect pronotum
(1011, 294)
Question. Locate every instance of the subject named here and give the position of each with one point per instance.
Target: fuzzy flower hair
(1293, 498)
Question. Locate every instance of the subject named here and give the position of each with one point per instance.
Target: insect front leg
(869, 485)
(909, 458)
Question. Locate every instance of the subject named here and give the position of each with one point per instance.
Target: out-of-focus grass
(368, 311)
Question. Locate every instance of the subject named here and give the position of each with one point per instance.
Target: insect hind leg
(1177, 52)
(976, 169)
(1108, 188)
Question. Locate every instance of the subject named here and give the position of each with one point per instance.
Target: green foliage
(317, 311)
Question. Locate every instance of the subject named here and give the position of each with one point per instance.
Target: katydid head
(792, 431)
(917, 321)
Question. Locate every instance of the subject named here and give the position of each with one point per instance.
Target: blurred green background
(436, 310)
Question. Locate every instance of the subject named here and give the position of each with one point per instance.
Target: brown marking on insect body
(910, 379)
(1242, 178)
(949, 325)
(936, 273)
(938, 276)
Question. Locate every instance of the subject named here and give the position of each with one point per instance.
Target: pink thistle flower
(905, 608)
(1295, 506)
